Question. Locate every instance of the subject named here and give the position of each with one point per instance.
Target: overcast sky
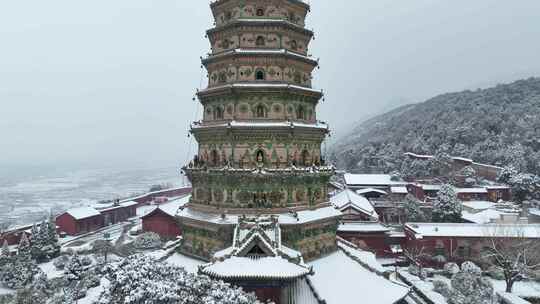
(110, 83)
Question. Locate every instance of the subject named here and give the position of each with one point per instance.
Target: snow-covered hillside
(499, 125)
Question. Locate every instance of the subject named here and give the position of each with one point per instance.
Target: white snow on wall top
(362, 227)
(473, 230)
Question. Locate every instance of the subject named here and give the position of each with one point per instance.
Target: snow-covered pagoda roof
(254, 124)
(250, 268)
(306, 216)
(83, 212)
(261, 52)
(371, 180)
(348, 198)
(420, 230)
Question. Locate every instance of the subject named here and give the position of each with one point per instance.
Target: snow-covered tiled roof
(478, 205)
(483, 217)
(348, 197)
(430, 187)
(340, 279)
(208, 217)
(262, 85)
(473, 230)
(267, 268)
(264, 52)
(368, 190)
(255, 124)
(307, 216)
(363, 227)
(371, 180)
(83, 212)
(471, 190)
(399, 190)
(172, 207)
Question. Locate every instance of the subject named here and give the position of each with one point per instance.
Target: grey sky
(105, 83)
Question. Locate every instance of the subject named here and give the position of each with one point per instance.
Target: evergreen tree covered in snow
(412, 209)
(5, 255)
(469, 287)
(74, 268)
(447, 207)
(36, 242)
(19, 273)
(141, 279)
(24, 250)
(147, 240)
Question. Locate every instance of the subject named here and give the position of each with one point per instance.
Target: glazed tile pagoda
(259, 208)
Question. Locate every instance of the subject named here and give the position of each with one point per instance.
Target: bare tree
(416, 255)
(514, 250)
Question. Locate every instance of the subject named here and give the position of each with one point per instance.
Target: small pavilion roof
(249, 268)
(370, 190)
(276, 262)
(348, 198)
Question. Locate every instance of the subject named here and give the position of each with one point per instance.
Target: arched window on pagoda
(260, 41)
(260, 111)
(259, 157)
(260, 12)
(294, 45)
(259, 75)
(306, 160)
(301, 113)
(218, 113)
(214, 158)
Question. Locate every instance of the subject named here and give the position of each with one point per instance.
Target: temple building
(260, 213)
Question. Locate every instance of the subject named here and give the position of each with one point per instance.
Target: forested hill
(499, 125)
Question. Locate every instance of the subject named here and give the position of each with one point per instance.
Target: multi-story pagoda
(259, 209)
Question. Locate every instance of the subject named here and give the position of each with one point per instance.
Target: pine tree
(5, 256)
(5, 250)
(36, 243)
(447, 207)
(24, 250)
(74, 268)
(51, 247)
(413, 211)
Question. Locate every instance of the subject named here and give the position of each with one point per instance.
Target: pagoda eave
(300, 3)
(231, 126)
(236, 53)
(260, 21)
(258, 87)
